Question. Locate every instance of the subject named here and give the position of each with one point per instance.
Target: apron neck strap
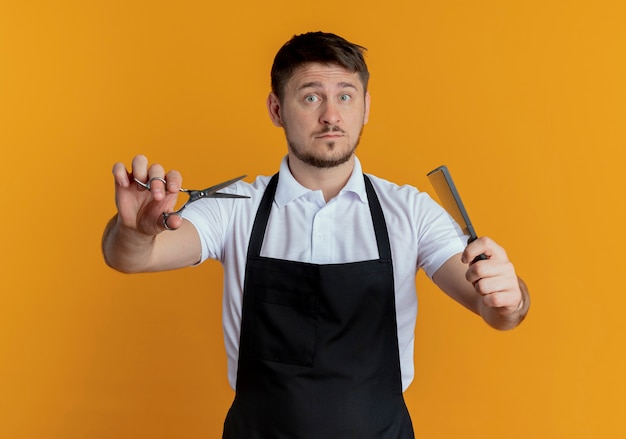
(378, 218)
(262, 217)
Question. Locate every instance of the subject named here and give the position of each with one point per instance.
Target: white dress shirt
(303, 227)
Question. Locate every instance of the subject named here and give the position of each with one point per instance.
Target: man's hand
(140, 209)
(493, 278)
(489, 287)
(132, 241)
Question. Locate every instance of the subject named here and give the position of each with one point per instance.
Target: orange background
(524, 101)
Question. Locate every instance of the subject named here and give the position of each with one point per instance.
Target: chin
(329, 160)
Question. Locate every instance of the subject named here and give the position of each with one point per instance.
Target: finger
(490, 285)
(120, 175)
(503, 299)
(491, 269)
(174, 181)
(474, 249)
(156, 175)
(171, 222)
(139, 168)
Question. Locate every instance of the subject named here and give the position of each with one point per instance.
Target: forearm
(126, 249)
(504, 318)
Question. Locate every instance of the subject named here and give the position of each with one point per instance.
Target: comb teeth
(450, 200)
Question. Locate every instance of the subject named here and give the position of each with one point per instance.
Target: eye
(345, 97)
(311, 98)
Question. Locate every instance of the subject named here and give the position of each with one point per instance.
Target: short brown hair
(320, 47)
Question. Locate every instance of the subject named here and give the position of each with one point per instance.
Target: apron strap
(378, 218)
(262, 217)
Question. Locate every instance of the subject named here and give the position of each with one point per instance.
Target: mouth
(329, 136)
(330, 133)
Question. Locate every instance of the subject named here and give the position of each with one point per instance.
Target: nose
(330, 114)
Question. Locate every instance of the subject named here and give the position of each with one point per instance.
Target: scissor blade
(211, 191)
(223, 195)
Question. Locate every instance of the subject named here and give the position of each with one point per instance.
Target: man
(319, 264)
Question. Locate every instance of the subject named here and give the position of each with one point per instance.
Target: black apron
(318, 353)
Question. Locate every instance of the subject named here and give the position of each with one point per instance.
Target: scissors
(195, 195)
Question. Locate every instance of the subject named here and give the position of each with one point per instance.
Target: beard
(325, 160)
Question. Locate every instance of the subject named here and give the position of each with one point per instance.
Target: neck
(329, 180)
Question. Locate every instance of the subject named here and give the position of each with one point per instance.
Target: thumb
(171, 221)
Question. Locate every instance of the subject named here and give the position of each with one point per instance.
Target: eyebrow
(317, 84)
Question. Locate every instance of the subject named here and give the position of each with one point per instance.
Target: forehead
(323, 76)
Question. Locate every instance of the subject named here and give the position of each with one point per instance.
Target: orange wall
(524, 101)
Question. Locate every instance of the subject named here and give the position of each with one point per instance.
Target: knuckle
(497, 300)
(481, 287)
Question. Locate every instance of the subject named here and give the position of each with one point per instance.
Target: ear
(366, 116)
(273, 107)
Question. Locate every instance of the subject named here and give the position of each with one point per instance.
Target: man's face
(323, 110)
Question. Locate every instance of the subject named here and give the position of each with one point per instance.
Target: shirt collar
(289, 189)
